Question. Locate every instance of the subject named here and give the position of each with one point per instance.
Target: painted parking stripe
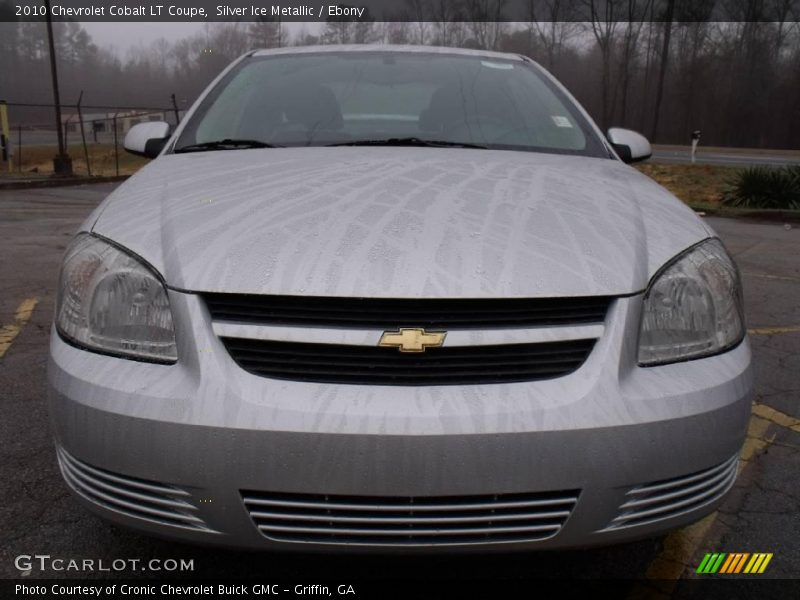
(680, 546)
(773, 330)
(756, 439)
(8, 333)
(775, 416)
(769, 276)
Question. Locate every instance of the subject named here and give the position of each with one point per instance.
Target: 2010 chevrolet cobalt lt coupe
(396, 297)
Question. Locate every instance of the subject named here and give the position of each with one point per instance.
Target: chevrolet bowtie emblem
(412, 340)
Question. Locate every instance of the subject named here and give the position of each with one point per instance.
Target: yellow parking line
(8, 333)
(770, 414)
(666, 569)
(756, 439)
(680, 546)
(773, 330)
(766, 276)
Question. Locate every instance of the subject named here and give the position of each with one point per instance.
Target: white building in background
(102, 123)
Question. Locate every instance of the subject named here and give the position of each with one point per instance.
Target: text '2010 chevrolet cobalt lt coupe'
(396, 297)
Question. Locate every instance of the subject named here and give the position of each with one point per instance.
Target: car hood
(398, 222)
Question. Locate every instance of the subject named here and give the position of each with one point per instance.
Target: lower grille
(404, 521)
(338, 363)
(673, 497)
(139, 498)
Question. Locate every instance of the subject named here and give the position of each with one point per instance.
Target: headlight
(108, 301)
(692, 307)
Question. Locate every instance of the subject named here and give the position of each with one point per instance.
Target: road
(732, 157)
(719, 157)
(38, 515)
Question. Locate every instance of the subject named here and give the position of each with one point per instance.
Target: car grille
(139, 498)
(387, 313)
(378, 520)
(673, 497)
(351, 364)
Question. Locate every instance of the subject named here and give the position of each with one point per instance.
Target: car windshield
(388, 98)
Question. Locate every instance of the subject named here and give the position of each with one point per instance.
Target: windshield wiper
(410, 141)
(226, 144)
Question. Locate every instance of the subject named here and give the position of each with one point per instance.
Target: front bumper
(205, 432)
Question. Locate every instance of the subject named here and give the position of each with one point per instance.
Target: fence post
(83, 136)
(116, 150)
(175, 109)
(19, 147)
(65, 137)
(5, 136)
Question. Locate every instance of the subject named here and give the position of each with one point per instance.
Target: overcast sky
(122, 36)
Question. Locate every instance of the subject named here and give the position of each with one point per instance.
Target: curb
(58, 182)
(755, 214)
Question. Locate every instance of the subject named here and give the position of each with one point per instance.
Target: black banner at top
(608, 11)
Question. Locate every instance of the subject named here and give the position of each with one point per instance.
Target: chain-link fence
(93, 139)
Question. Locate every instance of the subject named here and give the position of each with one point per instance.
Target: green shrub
(765, 187)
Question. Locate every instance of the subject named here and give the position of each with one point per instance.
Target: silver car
(396, 298)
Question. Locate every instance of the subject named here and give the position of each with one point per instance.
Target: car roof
(407, 49)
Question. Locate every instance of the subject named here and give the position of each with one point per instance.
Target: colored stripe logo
(734, 562)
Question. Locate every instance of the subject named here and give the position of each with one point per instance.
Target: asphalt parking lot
(37, 514)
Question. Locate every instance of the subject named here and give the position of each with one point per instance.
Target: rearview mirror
(629, 145)
(147, 139)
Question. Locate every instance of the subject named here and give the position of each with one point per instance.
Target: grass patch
(706, 188)
(699, 186)
(38, 160)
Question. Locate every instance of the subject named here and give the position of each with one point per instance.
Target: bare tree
(419, 29)
(648, 63)
(691, 38)
(350, 30)
(397, 32)
(267, 32)
(736, 79)
(669, 13)
(448, 30)
(161, 50)
(603, 24)
(636, 11)
(551, 27)
(485, 21)
(304, 38)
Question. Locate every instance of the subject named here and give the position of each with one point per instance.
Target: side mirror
(147, 139)
(631, 146)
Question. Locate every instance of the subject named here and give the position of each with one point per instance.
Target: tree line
(662, 67)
